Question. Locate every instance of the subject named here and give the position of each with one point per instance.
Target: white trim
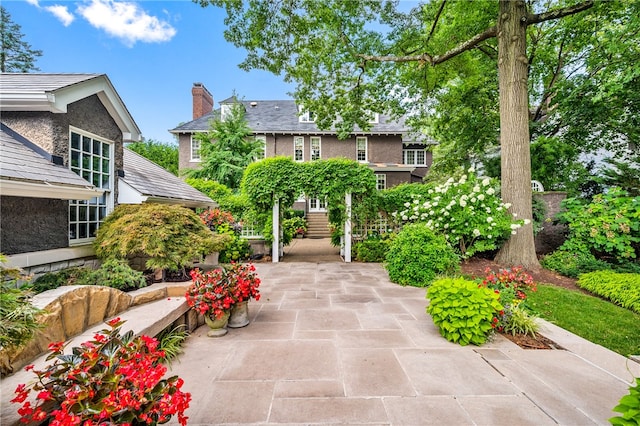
(35, 258)
(16, 188)
(415, 157)
(381, 178)
(263, 139)
(305, 116)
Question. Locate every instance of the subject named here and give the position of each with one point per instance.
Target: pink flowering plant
(512, 286)
(113, 379)
(215, 292)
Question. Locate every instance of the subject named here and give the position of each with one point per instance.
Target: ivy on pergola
(283, 180)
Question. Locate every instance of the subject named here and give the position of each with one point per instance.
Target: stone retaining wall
(69, 310)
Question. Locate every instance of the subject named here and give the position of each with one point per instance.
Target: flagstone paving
(337, 343)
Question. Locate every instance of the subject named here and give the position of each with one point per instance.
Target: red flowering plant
(215, 292)
(112, 379)
(512, 286)
(214, 218)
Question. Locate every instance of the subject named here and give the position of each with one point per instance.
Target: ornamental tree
(350, 59)
(16, 54)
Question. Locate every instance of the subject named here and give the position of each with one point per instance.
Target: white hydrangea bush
(468, 211)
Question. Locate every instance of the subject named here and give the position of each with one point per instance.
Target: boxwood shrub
(372, 249)
(463, 312)
(573, 263)
(621, 289)
(417, 255)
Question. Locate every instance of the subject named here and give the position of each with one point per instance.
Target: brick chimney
(202, 100)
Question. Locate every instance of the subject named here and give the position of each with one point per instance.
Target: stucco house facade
(389, 148)
(63, 166)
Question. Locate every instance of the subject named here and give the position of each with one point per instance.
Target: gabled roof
(145, 181)
(282, 117)
(27, 171)
(54, 92)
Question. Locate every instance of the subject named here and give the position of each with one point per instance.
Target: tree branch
(536, 18)
(434, 60)
(435, 21)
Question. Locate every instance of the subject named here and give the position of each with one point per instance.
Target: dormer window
(306, 116)
(225, 110)
(375, 119)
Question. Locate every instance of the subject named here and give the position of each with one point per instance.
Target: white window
(375, 119)
(381, 181)
(298, 148)
(315, 148)
(306, 116)
(195, 148)
(92, 159)
(225, 111)
(263, 141)
(361, 148)
(414, 157)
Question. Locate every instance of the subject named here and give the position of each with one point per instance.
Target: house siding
(24, 228)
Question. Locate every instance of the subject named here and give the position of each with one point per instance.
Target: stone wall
(33, 224)
(552, 236)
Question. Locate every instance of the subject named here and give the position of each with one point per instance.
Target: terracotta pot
(239, 315)
(217, 325)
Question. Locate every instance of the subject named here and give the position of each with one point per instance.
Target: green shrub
(238, 250)
(18, 316)
(520, 322)
(573, 263)
(608, 226)
(170, 236)
(621, 289)
(52, 280)
(417, 255)
(463, 312)
(115, 273)
(294, 225)
(629, 407)
(373, 249)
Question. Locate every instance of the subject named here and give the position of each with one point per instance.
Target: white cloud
(33, 3)
(126, 21)
(62, 13)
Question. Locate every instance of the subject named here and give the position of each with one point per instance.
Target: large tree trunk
(514, 131)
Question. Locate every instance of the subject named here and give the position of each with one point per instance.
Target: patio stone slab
(327, 319)
(374, 372)
(328, 410)
(507, 410)
(309, 389)
(426, 410)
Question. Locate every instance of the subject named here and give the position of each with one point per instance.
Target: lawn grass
(590, 317)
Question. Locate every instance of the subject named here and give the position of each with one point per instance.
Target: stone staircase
(318, 225)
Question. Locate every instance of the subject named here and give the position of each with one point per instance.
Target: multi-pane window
(361, 148)
(298, 148)
(263, 143)
(414, 157)
(315, 148)
(195, 148)
(92, 159)
(381, 181)
(306, 116)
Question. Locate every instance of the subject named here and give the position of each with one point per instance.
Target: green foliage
(170, 342)
(271, 179)
(17, 315)
(115, 273)
(237, 250)
(170, 236)
(608, 225)
(467, 211)
(17, 55)
(521, 322)
(374, 248)
(623, 174)
(236, 204)
(590, 317)
(629, 407)
(163, 154)
(573, 263)
(51, 280)
(462, 311)
(394, 199)
(417, 255)
(621, 289)
(227, 149)
(294, 225)
(539, 213)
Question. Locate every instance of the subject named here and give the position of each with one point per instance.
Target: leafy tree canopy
(227, 149)
(16, 54)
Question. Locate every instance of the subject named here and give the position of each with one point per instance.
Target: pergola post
(347, 228)
(275, 246)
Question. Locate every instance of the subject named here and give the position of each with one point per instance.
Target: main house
(64, 167)
(389, 148)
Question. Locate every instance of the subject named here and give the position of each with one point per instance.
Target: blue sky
(152, 51)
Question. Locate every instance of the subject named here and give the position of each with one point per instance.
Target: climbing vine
(286, 180)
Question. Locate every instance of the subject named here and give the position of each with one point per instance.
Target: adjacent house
(392, 151)
(63, 167)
